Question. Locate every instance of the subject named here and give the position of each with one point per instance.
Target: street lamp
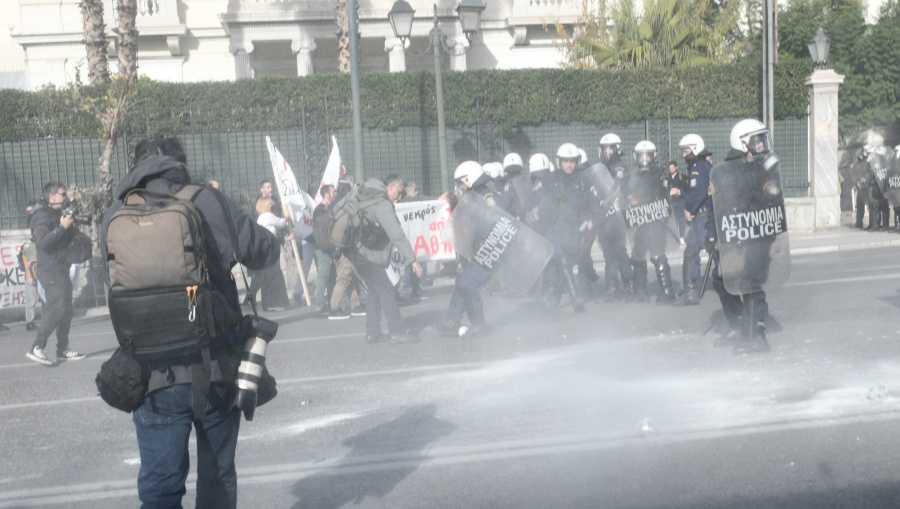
(469, 13)
(818, 49)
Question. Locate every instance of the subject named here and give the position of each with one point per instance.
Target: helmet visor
(758, 143)
(644, 159)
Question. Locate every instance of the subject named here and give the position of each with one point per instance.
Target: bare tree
(95, 42)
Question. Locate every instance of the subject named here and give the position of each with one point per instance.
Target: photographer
(53, 231)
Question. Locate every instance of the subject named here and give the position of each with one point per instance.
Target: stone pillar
(396, 53)
(457, 47)
(824, 184)
(242, 68)
(303, 48)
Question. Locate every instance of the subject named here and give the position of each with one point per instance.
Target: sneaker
(448, 328)
(70, 355)
(37, 355)
(339, 314)
(358, 311)
(323, 308)
(30, 326)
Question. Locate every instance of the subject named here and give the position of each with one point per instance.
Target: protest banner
(422, 222)
(12, 279)
(299, 203)
(333, 169)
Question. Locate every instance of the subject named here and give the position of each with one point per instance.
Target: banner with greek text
(12, 280)
(422, 222)
(299, 202)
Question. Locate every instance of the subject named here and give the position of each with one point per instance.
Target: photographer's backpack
(348, 220)
(160, 299)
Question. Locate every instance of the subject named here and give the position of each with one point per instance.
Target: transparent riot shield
(880, 167)
(859, 170)
(521, 185)
(511, 252)
(892, 183)
(754, 251)
(647, 199)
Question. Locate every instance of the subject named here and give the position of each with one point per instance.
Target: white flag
(300, 203)
(333, 170)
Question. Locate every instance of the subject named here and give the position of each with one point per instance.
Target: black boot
(639, 280)
(613, 292)
(691, 294)
(574, 298)
(755, 343)
(664, 278)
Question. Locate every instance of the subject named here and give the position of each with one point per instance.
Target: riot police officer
(859, 173)
(611, 231)
(568, 196)
(648, 213)
(466, 299)
(516, 186)
(747, 185)
(696, 209)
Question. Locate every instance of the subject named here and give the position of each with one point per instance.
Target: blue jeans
(163, 424)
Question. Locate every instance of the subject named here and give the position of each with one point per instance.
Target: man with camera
(53, 231)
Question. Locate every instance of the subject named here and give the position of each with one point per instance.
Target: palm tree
(667, 33)
(95, 41)
(126, 49)
(343, 22)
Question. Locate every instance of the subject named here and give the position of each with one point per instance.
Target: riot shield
(647, 199)
(880, 165)
(607, 190)
(521, 185)
(754, 252)
(859, 170)
(511, 252)
(892, 183)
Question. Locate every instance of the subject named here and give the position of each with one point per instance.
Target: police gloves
(710, 245)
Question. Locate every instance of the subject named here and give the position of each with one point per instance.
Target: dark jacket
(231, 236)
(51, 239)
(382, 216)
(697, 197)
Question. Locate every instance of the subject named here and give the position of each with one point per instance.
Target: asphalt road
(625, 406)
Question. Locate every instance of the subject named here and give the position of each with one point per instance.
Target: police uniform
(612, 237)
(696, 203)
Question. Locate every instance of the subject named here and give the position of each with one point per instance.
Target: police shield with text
(648, 213)
(748, 236)
(494, 243)
(611, 232)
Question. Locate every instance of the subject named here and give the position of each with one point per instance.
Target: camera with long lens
(81, 219)
(258, 331)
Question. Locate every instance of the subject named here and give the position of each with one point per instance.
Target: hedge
(507, 98)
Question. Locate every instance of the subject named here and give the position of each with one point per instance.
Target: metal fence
(239, 159)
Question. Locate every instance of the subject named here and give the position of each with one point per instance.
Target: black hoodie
(241, 241)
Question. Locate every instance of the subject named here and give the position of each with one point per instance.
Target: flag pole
(296, 251)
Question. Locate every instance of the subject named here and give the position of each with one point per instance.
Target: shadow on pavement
(379, 459)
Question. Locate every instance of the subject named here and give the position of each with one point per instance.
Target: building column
(396, 53)
(242, 68)
(457, 46)
(824, 183)
(303, 48)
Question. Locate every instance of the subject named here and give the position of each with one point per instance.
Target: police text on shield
(757, 224)
(496, 243)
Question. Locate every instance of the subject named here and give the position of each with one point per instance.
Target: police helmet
(645, 154)
(750, 135)
(512, 159)
(610, 144)
(582, 156)
(897, 152)
(693, 142)
(567, 152)
(468, 173)
(539, 162)
(493, 170)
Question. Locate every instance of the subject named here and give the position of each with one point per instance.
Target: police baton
(706, 275)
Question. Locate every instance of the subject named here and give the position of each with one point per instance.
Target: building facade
(214, 40)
